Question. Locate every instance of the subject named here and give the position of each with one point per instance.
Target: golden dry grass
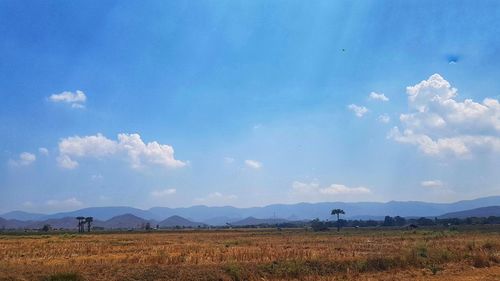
(254, 255)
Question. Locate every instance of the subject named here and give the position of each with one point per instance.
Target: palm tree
(89, 221)
(338, 212)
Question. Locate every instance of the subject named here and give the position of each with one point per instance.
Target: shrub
(480, 260)
(318, 225)
(234, 271)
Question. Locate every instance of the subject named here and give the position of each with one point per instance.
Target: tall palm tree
(338, 212)
(89, 221)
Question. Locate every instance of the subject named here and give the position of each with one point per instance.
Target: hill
(477, 212)
(23, 216)
(175, 221)
(127, 221)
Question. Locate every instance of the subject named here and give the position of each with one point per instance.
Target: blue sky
(247, 103)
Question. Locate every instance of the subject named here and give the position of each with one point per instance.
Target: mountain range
(478, 212)
(198, 215)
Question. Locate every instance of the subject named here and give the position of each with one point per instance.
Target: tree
(46, 227)
(318, 225)
(89, 221)
(388, 221)
(399, 221)
(338, 212)
(81, 224)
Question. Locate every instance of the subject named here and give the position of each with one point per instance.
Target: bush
(234, 271)
(480, 260)
(318, 225)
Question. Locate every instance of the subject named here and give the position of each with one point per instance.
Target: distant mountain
(12, 224)
(200, 213)
(65, 223)
(23, 216)
(104, 213)
(174, 221)
(300, 211)
(478, 212)
(255, 221)
(127, 221)
(220, 221)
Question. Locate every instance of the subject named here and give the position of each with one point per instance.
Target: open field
(355, 254)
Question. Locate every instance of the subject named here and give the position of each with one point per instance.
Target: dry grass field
(254, 255)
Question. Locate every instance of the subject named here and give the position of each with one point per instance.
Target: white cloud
(163, 193)
(384, 118)
(65, 162)
(438, 124)
(359, 111)
(313, 190)
(432, 184)
(379, 97)
(342, 189)
(66, 204)
(43, 151)
(216, 198)
(301, 187)
(76, 99)
(253, 164)
(24, 159)
(131, 146)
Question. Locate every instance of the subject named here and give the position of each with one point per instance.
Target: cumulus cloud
(216, 198)
(432, 184)
(439, 124)
(131, 146)
(253, 164)
(377, 97)
(359, 111)
(24, 159)
(384, 118)
(163, 193)
(76, 99)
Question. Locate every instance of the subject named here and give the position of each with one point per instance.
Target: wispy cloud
(432, 184)
(313, 190)
(384, 118)
(43, 151)
(63, 205)
(216, 198)
(254, 164)
(378, 97)
(24, 159)
(163, 193)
